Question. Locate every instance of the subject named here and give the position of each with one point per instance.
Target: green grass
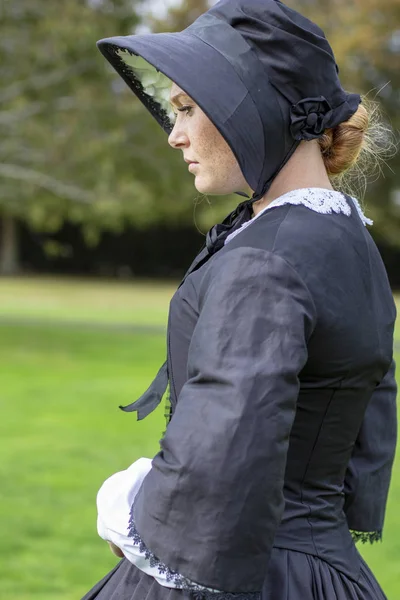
(62, 434)
(83, 300)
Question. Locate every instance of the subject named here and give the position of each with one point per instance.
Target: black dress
(283, 418)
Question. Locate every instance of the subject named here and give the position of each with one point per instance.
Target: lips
(190, 162)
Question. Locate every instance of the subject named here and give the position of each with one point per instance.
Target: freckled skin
(218, 171)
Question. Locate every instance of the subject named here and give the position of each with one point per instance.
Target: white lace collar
(320, 200)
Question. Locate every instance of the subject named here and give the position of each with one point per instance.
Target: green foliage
(76, 144)
(180, 16)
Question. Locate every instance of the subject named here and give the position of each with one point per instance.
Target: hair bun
(353, 151)
(341, 146)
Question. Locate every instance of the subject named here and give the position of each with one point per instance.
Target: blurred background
(98, 221)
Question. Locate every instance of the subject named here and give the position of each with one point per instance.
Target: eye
(185, 109)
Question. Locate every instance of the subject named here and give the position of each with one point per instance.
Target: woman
(282, 430)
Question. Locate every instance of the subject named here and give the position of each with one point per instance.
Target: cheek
(219, 171)
(210, 146)
(202, 135)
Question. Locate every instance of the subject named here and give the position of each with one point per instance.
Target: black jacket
(283, 398)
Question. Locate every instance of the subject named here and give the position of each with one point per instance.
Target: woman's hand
(115, 550)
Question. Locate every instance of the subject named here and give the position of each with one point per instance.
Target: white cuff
(114, 503)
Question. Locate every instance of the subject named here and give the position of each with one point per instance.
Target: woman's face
(213, 163)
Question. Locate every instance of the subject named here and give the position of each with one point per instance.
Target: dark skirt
(291, 576)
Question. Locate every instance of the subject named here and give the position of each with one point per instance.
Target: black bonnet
(265, 75)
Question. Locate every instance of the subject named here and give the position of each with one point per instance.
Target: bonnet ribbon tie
(151, 397)
(217, 235)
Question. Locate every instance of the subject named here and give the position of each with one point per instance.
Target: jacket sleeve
(213, 499)
(369, 471)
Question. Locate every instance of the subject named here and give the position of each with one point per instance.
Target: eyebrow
(178, 96)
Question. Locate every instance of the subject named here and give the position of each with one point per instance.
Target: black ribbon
(151, 397)
(217, 235)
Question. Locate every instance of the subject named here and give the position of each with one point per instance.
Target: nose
(178, 138)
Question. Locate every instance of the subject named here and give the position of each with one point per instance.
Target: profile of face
(210, 158)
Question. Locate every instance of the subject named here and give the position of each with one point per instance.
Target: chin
(210, 188)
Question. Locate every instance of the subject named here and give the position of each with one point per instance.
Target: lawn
(84, 300)
(61, 433)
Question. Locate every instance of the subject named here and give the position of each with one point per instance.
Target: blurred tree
(180, 16)
(76, 145)
(48, 111)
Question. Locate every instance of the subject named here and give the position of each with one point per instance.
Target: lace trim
(317, 199)
(225, 596)
(366, 536)
(198, 592)
(363, 218)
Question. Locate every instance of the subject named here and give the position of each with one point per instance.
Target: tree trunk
(9, 251)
